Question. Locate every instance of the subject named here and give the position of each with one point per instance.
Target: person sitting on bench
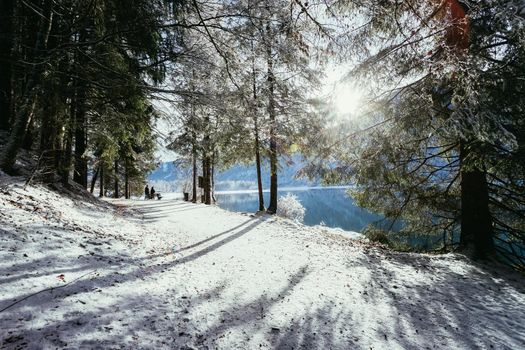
(152, 192)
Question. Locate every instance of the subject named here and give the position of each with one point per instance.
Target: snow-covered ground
(173, 275)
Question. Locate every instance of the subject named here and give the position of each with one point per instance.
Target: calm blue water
(331, 206)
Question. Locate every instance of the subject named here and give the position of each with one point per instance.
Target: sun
(347, 99)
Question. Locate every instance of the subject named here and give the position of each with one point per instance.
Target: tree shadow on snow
(118, 270)
(442, 307)
(434, 303)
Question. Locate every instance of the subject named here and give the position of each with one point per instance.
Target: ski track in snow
(174, 275)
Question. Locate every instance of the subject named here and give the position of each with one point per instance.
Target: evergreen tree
(439, 152)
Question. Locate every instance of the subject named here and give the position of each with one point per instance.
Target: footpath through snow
(174, 275)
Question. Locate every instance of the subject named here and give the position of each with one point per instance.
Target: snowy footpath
(86, 274)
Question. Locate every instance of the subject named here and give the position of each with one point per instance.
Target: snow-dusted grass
(169, 274)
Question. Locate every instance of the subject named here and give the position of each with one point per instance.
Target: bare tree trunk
(30, 133)
(272, 208)
(214, 200)
(53, 106)
(203, 196)
(6, 47)
(194, 190)
(101, 190)
(256, 135)
(194, 141)
(115, 192)
(67, 155)
(80, 173)
(94, 179)
(16, 138)
(206, 166)
(207, 180)
(476, 221)
(126, 179)
(258, 168)
(48, 133)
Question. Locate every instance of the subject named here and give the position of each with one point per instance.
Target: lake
(329, 206)
(334, 208)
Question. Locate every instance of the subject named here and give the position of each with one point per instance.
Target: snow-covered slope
(174, 275)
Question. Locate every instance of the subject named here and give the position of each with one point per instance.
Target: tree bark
(115, 192)
(258, 168)
(203, 196)
(214, 200)
(16, 138)
(256, 135)
(207, 181)
(30, 134)
(6, 48)
(101, 190)
(94, 180)
(272, 208)
(48, 133)
(50, 127)
(67, 154)
(126, 179)
(206, 164)
(476, 236)
(194, 190)
(257, 146)
(80, 173)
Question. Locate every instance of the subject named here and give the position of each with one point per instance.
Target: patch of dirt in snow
(175, 275)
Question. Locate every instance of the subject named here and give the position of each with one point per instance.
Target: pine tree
(438, 153)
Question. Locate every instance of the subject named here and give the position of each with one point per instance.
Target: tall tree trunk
(258, 168)
(51, 128)
(203, 196)
(30, 134)
(101, 190)
(272, 208)
(126, 179)
(476, 221)
(207, 180)
(67, 154)
(194, 189)
(115, 192)
(214, 200)
(16, 138)
(49, 133)
(206, 166)
(256, 135)
(194, 142)
(80, 173)
(94, 180)
(6, 47)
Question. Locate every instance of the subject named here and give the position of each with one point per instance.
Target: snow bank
(174, 275)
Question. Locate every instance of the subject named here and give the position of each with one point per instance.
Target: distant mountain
(170, 177)
(168, 171)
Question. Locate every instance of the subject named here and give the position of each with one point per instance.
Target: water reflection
(331, 206)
